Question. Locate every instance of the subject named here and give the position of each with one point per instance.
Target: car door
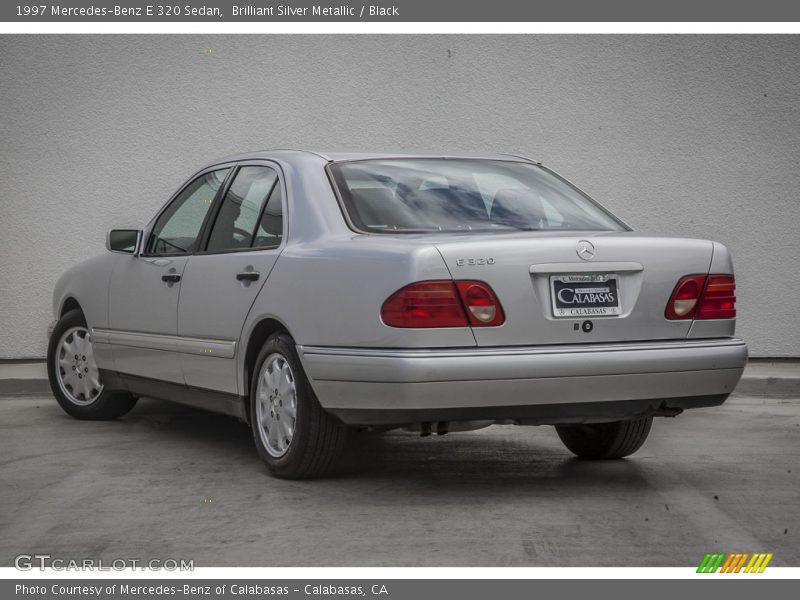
(221, 281)
(144, 289)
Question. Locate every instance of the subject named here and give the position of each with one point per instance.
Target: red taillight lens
(425, 304)
(719, 298)
(483, 308)
(443, 304)
(685, 297)
(703, 297)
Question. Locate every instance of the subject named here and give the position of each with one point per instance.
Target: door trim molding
(169, 343)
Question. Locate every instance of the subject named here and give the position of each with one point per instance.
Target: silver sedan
(313, 294)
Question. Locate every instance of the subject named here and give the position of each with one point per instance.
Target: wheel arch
(70, 303)
(259, 334)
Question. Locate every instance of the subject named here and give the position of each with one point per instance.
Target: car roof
(291, 156)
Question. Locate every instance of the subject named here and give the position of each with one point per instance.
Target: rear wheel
(605, 440)
(293, 434)
(74, 377)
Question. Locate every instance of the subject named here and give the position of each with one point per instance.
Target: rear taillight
(719, 298)
(483, 307)
(683, 301)
(443, 304)
(703, 297)
(425, 304)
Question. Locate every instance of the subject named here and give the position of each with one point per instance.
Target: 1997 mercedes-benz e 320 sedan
(309, 294)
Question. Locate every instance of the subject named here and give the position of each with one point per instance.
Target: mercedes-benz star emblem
(585, 250)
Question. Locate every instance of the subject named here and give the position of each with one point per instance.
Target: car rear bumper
(575, 383)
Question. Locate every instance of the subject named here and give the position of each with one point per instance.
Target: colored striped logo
(735, 562)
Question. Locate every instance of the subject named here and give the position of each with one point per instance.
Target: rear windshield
(436, 194)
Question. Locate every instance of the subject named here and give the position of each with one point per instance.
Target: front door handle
(248, 276)
(171, 277)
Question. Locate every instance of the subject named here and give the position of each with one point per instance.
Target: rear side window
(270, 228)
(240, 222)
(432, 195)
(178, 228)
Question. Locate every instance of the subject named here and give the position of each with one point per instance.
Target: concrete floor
(172, 482)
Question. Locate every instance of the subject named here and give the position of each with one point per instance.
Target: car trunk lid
(637, 273)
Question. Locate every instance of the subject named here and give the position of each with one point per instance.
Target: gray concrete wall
(680, 135)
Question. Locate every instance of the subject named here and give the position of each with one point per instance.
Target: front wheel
(293, 434)
(605, 440)
(74, 377)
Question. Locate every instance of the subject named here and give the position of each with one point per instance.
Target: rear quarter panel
(330, 294)
(721, 264)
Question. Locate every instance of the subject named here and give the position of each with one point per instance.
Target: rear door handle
(171, 277)
(248, 276)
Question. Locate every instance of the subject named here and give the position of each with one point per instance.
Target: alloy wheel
(276, 410)
(76, 370)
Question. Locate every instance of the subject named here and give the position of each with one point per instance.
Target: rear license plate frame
(587, 308)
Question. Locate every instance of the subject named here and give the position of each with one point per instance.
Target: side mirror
(124, 240)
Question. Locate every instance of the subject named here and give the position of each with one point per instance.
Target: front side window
(432, 195)
(178, 228)
(251, 199)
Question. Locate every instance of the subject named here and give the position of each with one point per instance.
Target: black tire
(318, 439)
(605, 440)
(108, 404)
